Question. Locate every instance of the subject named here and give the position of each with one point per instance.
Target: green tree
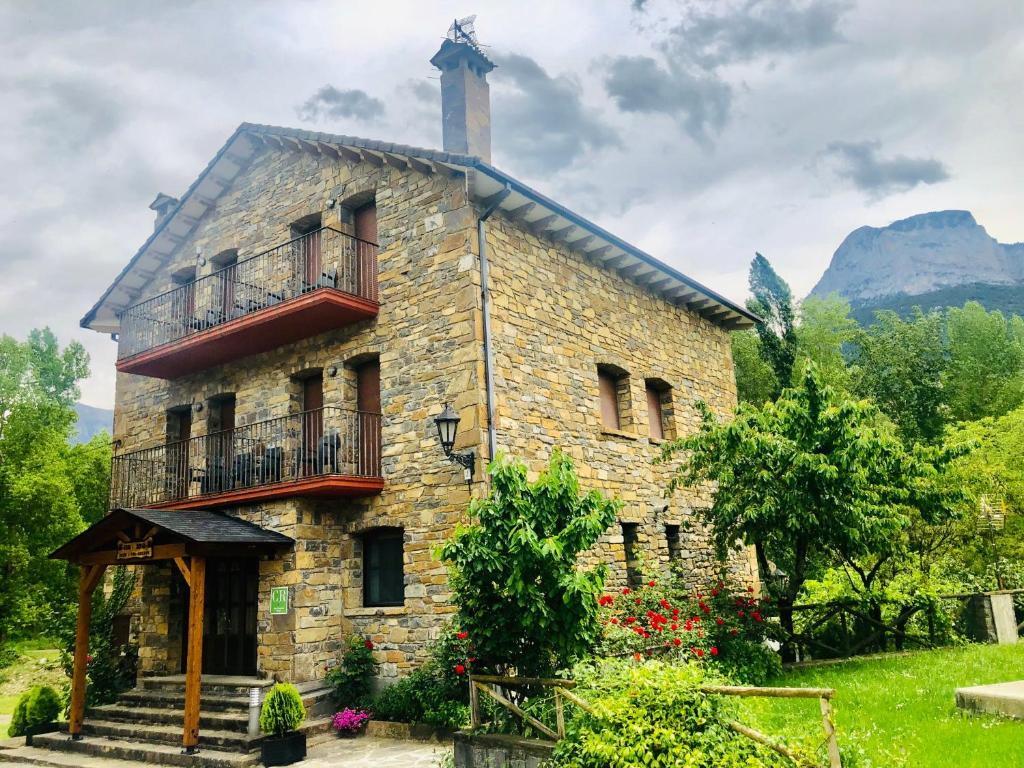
(811, 479)
(900, 365)
(39, 508)
(985, 376)
(772, 300)
(520, 593)
(755, 380)
(823, 331)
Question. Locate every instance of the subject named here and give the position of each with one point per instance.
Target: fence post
(834, 761)
(559, 714)
(474, 705)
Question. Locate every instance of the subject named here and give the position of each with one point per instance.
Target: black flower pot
(284, 750)
(35, 730)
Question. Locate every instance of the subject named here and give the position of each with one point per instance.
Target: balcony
(327, 453)
(309, 285)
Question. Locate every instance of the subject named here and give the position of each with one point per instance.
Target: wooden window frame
(372, 539)
(607, 375)
(663, 391)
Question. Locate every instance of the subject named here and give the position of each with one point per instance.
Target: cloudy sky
(701, 131)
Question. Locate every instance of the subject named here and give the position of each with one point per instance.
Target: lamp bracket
(465, 459)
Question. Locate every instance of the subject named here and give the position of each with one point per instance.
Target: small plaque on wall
(278, 601)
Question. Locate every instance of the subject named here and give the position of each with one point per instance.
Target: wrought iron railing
(319, 443)
(325, 258)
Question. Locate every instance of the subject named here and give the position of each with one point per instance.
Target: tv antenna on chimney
(463, 31)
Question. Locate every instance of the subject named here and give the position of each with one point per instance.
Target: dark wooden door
(368, 406)
(179, 472)
(309, 247)
(221, 447)
(654, 415)
(229, 617)
(366, 249)
(313, 423)
(228, 276)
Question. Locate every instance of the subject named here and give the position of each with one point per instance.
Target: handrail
(319, 442)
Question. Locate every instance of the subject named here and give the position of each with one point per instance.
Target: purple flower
(350, 720)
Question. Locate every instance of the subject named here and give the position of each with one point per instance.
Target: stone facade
(556, 317)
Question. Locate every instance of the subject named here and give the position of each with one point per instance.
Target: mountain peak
(919, 254)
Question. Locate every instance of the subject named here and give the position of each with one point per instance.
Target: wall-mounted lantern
(447, 426)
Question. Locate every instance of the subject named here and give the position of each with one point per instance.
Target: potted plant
(349, 722)
(281, 715)
(36, 712)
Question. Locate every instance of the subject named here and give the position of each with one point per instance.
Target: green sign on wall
(278, 601)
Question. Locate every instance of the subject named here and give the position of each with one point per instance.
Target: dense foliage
(282, 711)
(48, 490)
(653, 714)
(37, 706)
(352, 678)
(111, 668)
(514, 574)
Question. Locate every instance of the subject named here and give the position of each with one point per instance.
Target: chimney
(162, 205)
(465, 95)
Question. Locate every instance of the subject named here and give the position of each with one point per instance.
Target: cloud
(699, 101)
(330, 103)
(859, 162)
(541, 121)
(723, 34)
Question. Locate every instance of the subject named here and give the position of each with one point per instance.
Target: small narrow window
(659, 408)
(613, 392)
(383, 570)
(631, 547)
(675, 551)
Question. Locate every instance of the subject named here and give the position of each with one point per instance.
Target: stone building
(295, 322)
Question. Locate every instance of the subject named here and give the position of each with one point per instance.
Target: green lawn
(38, 664)
(899, 710)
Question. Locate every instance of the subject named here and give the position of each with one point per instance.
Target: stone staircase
(145, 725)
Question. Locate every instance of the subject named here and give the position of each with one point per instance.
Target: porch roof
(167, 534)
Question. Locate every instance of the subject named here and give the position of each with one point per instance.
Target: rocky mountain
(90, 421)
(924, 254)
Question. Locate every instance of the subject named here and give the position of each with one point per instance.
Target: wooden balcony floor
(320, 486)
(298, 318)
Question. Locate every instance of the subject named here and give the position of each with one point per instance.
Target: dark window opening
(383, 569)
(631, 546)
(306, 243)
(675, 550)
(613, 391)
(659, 408)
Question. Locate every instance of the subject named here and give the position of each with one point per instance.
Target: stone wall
(556, 317)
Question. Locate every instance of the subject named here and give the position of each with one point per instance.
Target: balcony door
(307, 248)
(365, 219)
(220, 453)
(368, 405)
(314, 450)
(178, 470)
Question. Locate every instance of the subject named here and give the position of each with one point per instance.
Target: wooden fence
(490, 686)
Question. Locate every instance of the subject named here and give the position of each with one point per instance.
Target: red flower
(88, 659)
(675, 627)
(462, 635)
(714, 593)
(740, 614)
(459, 669)
(614, 620)
(678, 642)
(734, 632)
(750, 589)
(706, 608)
(650, 583)
(700, 653)
(472, 659)
(756, 615)
(625, 591)
(369, 644)
(630, 619)
(665, 604)
(714, 650)
(637, 655)
(719, 621)
(688, 626)
(638, 601)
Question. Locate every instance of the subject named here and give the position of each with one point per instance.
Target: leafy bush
(719, 625)
(282, 710)
(352, 678)
(514, 575)
(655, 715)
(350, 720)
(37, 706)
(111, 668)
(8, 656)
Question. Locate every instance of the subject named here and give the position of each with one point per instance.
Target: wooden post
(559, 713)
(474, 705)
(87, 582)
(834, 760)
(194, 667)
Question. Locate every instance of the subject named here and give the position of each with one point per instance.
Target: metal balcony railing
(324, 442)
(324, 258)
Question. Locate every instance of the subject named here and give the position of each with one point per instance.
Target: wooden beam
(561, 234)
(522, 210)
(123, 536)
(87, 581)
(422, 166)
(371, 158)
(350, 155)
(617, 261)
(599, 253)
(490, 200)
(327, 149)
(310, 147)
(639, 268)
(151, 532)
(109, 557)
(682, 294)
(194, 665)
(582, 243)
(395, 161)
(186, 573)
(541, 224)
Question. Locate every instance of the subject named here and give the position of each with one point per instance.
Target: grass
(899, 710)
(38, 663)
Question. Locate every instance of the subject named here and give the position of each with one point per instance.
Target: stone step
(151, 733)
(171, 699)
(59, 751)
(214, 684)
(227, 720)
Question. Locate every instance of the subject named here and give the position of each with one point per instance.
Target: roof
(199, 530)
(486, 183)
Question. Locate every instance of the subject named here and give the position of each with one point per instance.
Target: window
(659, 404)
(383, 574)
(675, 550)
(613, 391)
(631, 547)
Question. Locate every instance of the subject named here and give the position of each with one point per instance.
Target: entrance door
(368, 406)
(229, 618)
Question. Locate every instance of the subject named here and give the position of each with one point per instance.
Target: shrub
(514, 575)
(282, 710)
(351, 679)
(37, 706)
(655, 715)
(8, 656)
(350, 720)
